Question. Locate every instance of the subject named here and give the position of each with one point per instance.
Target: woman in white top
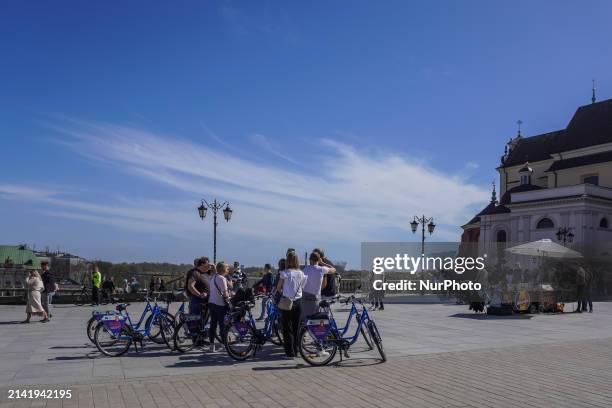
(34, 305)
(217, 301)
(290, 284)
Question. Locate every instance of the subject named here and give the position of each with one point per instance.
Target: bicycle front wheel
(317, 352)
(112, 345)
(91, 329)
(182, 339)
(239, 343)
(161, 329)
(277, 333)
(377, 339)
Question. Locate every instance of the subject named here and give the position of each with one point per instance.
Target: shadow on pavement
(14, 322)
(484, 316)
(73, 358)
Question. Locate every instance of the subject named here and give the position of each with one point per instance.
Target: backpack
(331, 286)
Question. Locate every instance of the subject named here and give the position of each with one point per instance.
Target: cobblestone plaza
(439, 355)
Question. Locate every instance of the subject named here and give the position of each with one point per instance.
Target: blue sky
(324, 123)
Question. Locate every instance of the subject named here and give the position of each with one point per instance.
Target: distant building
(552, 182)
(15, 262)
(65, 266)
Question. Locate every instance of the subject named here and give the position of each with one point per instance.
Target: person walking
(267, 281)
(218, 302)
(34, 306)
(290, 285)
(50, 287)
(315, 272)
(588, 291)
(580, 289)
(196, 286)
(96, 281)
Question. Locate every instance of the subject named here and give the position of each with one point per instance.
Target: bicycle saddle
(121, 306)
(326, 303)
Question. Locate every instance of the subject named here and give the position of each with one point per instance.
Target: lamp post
(215, 207)
(430, 228)
(565, 235)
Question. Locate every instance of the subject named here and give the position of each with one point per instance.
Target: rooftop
(591, 125)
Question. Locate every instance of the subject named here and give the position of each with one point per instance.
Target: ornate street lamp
(565, 235)
(423, 221)
(227, 213)
(215, 207)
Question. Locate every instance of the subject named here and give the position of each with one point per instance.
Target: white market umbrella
(544, 248)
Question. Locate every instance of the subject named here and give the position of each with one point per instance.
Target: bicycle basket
(113, 323)
(319, 328)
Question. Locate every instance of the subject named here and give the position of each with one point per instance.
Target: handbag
(286, 303)
(227, 302)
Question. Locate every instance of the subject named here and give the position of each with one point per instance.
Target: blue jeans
(264, 306)
(195, 304)
(47, 299)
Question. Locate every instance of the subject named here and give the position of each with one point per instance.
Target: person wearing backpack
(316, 272)
(290, 285)
(329, 286)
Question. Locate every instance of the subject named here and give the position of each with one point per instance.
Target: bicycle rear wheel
(112, 345)
(81, 299)
(239, 346)
(316, 352)
(377, 339)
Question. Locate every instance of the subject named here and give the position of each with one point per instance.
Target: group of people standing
(295, 290)
(41, 289)
(209, 290)
(300, 293)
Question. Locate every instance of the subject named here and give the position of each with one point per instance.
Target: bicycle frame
(342, 332)
(271, 316)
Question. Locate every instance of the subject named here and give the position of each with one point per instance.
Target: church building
(556, 185)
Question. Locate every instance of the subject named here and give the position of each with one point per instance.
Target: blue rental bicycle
(116, 332)
(320, 338)
(242, 338)
(192, 330)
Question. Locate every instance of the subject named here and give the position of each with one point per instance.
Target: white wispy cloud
(344, 195)
(264, 143)
(350, 192)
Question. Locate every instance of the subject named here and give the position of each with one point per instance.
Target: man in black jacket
(50, 287)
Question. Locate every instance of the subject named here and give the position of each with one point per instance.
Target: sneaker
(322, 353)
(212, 348)
(44, 320)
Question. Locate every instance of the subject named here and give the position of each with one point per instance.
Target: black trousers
(217, 314)
(290, 320)
(95, 296)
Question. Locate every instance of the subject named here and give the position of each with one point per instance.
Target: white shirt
(215, 297)
(314, 274)
(293, 283)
